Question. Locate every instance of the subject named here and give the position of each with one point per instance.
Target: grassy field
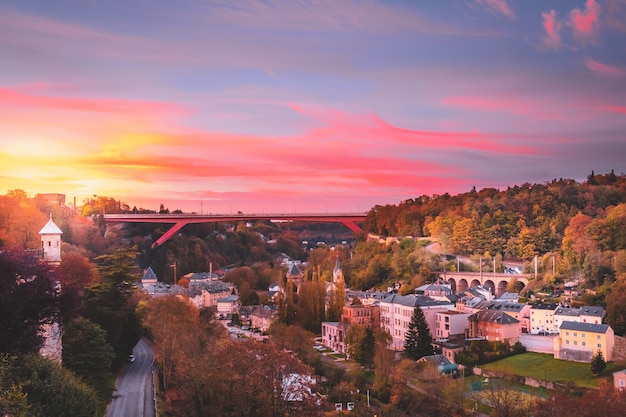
(545, 367)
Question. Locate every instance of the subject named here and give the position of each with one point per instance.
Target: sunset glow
(311, 106)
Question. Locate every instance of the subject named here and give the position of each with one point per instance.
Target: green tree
(598, 364)
(50, 390)
(88, 353)
(110, 303)
(418, 341)
(28, 300)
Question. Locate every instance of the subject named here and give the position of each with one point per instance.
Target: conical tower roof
(50, 228)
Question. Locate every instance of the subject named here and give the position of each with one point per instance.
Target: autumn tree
(616, 307)
(383, 362)
(359, 342)
(418, 341)
(172, 324)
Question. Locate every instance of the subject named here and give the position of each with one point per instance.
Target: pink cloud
(552, 38)
(616, 109)
(605, 70)
(585, 23)
(16, 98)
(498, 7)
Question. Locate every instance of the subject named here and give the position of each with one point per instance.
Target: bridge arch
(453, 285)
(501, 288)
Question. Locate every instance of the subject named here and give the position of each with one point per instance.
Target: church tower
(51, 242)
(337, 272)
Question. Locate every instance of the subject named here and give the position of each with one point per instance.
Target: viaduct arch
(496, 282)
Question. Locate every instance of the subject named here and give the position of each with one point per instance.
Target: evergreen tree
(418, 341)
(598, 364)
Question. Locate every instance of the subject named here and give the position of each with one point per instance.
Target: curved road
(133, 396)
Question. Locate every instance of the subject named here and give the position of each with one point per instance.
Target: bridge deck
(180, 220)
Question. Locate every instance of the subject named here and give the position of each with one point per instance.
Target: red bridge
(180, 220)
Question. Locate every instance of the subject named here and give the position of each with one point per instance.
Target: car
(131, 358)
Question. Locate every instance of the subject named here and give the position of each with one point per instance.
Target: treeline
(520, 222)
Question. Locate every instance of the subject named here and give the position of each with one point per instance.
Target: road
(133, 396)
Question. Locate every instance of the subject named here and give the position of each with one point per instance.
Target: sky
(306, 106)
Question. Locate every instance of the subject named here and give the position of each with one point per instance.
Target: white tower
(51, 242)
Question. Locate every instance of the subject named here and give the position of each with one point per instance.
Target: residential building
(586, 314)
(206, 293)
(333, 335)
(367, 316)
(262, 317)
(619, 380)
(227, 305)
(396, 312)
(494, 325)
(542, 318)
(581, 341)
(149, 277)
(443, 364)
(449, 324)
(437, 291)
(449, 350)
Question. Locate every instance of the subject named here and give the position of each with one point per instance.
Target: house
(437, 291)
(261, 317)
(521, 312)
(586, 314)
(619, 380)
(227, 305)
(367, 316)
(493, 325)
(444, 365)
(581, 341)
(450, 323)
(542, 318)
(333, 335)
(396, 312)
(450, 350)
(149, 277)
(205, 294)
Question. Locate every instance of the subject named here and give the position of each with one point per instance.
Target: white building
(396, 312)
(51, 242)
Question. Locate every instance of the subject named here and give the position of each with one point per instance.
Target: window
(621, 383)
(599, 346)
(575, 334)
(582, 335)
(575, 343)
(583, 343)
(566, 333)
(567, 341)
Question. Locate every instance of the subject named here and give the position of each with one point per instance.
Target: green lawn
(545, 367)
